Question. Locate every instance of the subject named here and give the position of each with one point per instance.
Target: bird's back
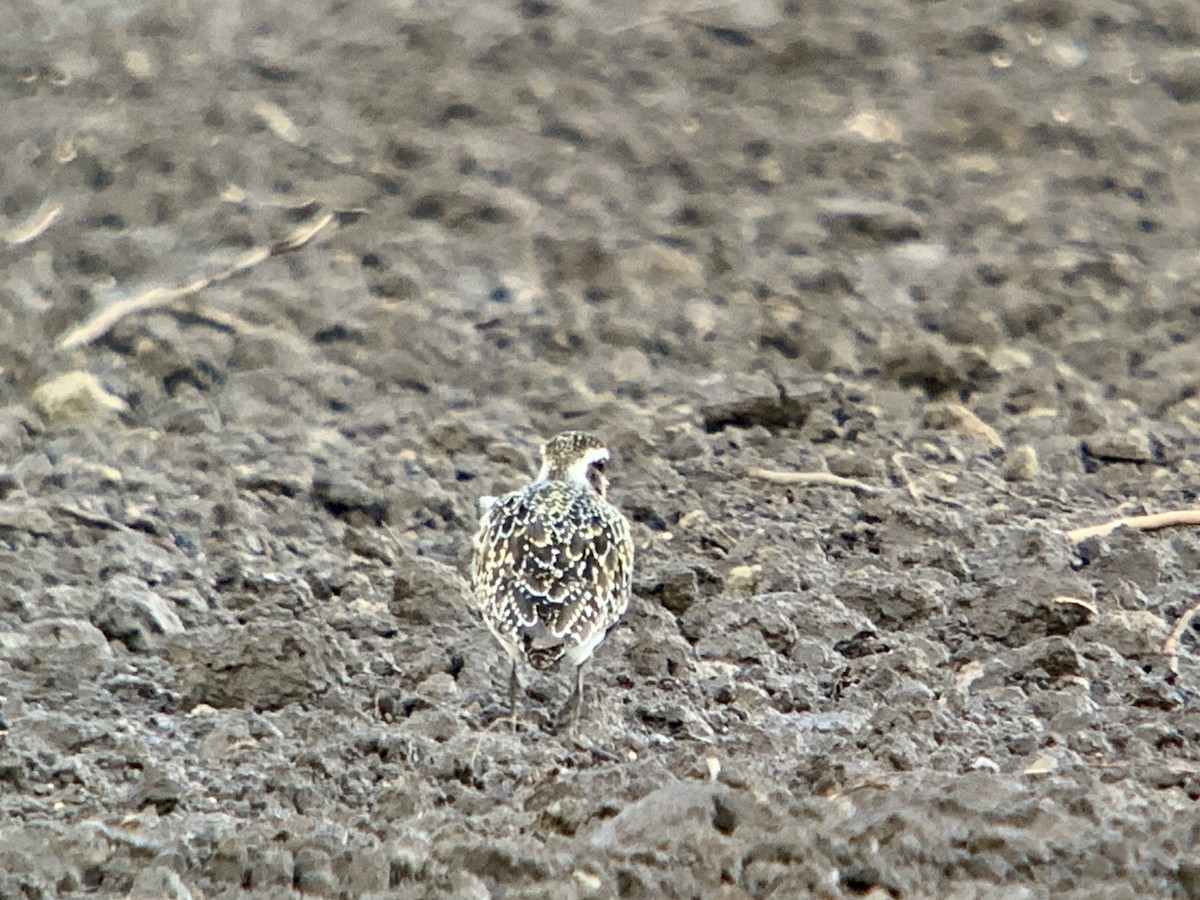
(552, 570)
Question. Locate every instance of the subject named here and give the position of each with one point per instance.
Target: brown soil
(945, 249)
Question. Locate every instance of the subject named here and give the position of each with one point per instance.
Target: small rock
(134, 615)
(25, 517)
(75, 395)
(956, 417)
(370, 543)
(756, 400)
(157, 789)
(629, 364)
(1180, 80)
(676, 590)
(466, 886)
(158, 883)
(461, 433)
(589, 881)
(873, 219)
(821, 426)
(742, 629)
(682, 445)
(314, 873)
(426, 591)
(409, 856)
(1086, 416)
(1042, 764)
(1130, 446)
(1006, 359)
(849, 463)
(1059, 454)
(1053, 655)
(894, 603)
(1137, 634)
(286, 478)
(47, 642)
(1020, 464)
(258, 665)
(229, 862)
(924, 361)
(655, 263)
(440, 688)
(1186, 413)
(1066, 53)
(1063, 614)
(742, 580)
(349, 499)
(12, 771)
(679, 814)
(659, 650)
(366, 873)
(272, 869)
(19, 427)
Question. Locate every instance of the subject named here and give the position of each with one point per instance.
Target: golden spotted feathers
(553, 562)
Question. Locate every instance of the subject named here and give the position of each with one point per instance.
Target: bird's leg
(514, 687)
(570, 712)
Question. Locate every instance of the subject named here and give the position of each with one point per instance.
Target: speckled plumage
(553, 561)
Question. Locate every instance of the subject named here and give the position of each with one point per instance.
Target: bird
(552, 566)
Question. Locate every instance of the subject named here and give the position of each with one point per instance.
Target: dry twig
(913, 490)
(100, 324)
(861, 783)
(1086, 605)
(956, 417)
(1145, 523)
(108, 523)
(824, 478)
(1171, 644)
(45, 216)
(96, 520)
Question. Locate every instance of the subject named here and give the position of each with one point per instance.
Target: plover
(553, 562)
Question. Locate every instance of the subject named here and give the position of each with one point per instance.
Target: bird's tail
(543, 658)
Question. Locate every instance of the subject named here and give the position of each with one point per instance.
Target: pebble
(134, 615)
(742, 580)
(75, 395)
(677, 590)
(1127, 446)
(1020, 464)
(25, 516)
(158, 883)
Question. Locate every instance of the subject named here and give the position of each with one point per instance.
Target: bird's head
(575, 456)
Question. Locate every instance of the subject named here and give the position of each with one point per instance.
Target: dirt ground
(946, 251)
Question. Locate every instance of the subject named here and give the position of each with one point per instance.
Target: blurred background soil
(945, 250)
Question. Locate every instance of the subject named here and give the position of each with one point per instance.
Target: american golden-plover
(553, 563)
